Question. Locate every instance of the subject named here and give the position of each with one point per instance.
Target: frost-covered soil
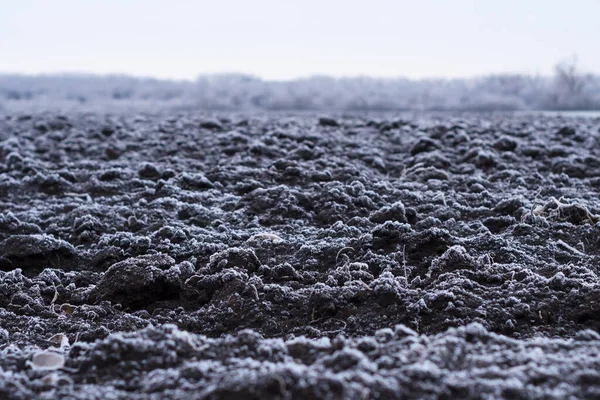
(274, 256)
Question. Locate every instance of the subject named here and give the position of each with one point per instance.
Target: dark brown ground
(281, 256)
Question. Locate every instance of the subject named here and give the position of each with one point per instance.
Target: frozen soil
(178, 256)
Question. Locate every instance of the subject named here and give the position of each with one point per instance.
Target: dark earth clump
(177, 256)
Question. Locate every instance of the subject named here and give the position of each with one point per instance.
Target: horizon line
(86, 74)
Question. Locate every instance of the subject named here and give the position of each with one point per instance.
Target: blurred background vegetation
(568, 89)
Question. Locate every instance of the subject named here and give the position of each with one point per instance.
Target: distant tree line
(568, 89)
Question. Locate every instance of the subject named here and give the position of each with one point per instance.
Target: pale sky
(284, 39)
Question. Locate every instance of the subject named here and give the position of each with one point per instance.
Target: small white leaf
(47, 360)
(60, 339)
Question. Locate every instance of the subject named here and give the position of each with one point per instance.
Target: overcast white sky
(281, 39)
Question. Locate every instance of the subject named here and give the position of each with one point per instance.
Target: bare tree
(569, 78)
(570, 85)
